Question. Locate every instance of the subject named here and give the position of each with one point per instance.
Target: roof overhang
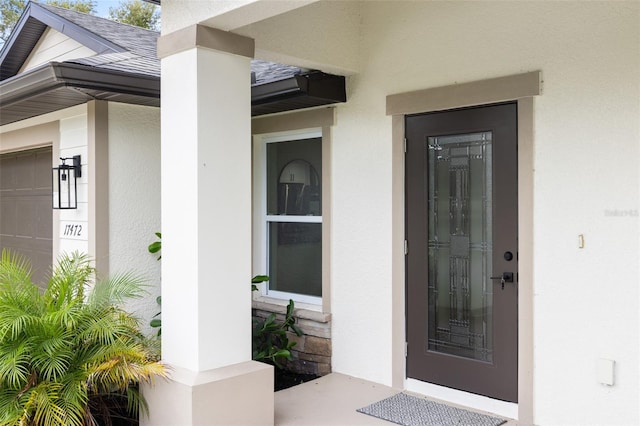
(56, 86)
(297, 92)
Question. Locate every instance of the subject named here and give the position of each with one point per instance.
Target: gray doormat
(409, 410)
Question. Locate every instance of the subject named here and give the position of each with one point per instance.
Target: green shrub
(270, 342)
(68, 351)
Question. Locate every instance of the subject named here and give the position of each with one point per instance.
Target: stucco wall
(134, 197)
(586, 157)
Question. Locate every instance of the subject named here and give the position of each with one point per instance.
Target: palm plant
(68, 350)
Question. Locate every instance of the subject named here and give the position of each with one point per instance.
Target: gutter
(262, 93)
(306, 90)
(56, 74)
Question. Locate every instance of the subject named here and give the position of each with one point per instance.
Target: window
(289, 207)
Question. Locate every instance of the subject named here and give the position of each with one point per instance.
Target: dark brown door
(462, 263)
(25, 208)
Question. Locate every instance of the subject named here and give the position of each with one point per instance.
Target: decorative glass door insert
(460, 245)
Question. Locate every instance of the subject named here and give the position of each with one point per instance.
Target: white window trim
(261, 218)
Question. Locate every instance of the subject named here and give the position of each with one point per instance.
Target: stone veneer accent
(312, 352)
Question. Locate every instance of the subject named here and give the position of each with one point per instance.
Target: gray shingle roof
(266, 72)
(139, 43)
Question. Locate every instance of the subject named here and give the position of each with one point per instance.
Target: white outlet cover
(605, 371)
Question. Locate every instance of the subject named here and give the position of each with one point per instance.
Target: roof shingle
(139, 43)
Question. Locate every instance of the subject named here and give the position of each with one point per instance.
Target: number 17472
(72, 230)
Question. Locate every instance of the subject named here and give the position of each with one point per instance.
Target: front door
(462, 260)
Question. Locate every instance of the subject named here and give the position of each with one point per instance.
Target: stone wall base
(311, 355)
(312, 352)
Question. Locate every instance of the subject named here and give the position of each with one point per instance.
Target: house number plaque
(73, 230)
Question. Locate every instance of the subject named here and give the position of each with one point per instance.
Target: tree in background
(10, 11)
(84, 6)
(138, 13)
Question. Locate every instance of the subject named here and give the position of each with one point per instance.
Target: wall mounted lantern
(65, 191)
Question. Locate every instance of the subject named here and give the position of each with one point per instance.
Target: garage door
(25, 208)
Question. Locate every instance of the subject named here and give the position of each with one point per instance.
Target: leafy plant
(257, 280)
(156, 246)
(270, 342)
(67, 353)
(156, 321)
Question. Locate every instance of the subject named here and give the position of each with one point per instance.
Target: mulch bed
(284, 379)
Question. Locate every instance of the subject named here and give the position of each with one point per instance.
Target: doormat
(409, 410)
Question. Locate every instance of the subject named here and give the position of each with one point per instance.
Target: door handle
(506, 277)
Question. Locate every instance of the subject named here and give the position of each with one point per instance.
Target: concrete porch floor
(332, 400)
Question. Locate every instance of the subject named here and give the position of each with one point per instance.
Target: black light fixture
(65, 190)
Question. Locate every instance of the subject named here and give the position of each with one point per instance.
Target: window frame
(262, 220)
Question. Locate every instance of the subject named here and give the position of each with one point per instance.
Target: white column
(206, 233)
(206, 209)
